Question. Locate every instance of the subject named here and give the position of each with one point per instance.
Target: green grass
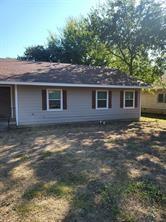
(144, 191)
(46, 154)
(122, 181)
(153, 119)
(36, 191)
(24, 209)
(147, 190)
(21, 156)
(83, 201)
(127, 217)
(58, 189)
(110, 195)
(74, 179)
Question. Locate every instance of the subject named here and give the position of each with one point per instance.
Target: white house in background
(154, 101)
(43, 93)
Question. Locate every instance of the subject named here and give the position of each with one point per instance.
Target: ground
(113, 172)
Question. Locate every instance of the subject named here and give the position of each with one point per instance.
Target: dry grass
(95, 173)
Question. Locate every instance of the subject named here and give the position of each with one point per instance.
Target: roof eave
(70, 85)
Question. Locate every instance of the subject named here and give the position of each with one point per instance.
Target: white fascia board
(70, 85)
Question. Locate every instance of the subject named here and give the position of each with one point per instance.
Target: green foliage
(124, 34)
(37, 53)
(54, 48)
(75, 40)
(131, 30)
(80, 45)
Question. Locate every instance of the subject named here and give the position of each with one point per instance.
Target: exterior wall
(79, 107)
(149, 102)
(12, 99)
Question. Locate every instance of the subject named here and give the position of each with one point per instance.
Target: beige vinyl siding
(149, 102)
(79, 107)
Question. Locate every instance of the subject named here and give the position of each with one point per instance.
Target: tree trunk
(131, 66)
(131, 70)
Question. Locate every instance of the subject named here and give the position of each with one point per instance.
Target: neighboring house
(154, 100)
(43, 92)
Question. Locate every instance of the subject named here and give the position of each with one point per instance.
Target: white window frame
(164, 98)
(97, 99)
(124, 99)
(61, 103)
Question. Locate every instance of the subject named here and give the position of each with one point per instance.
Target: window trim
(164, 98)
(61, 103)
(101, 108)
(124, 99)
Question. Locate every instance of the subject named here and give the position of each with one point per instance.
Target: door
(5, 102)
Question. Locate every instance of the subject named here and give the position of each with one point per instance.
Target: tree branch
(116, 55)
(124, 57)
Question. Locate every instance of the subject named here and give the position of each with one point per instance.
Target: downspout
(11, 101)
(16, 103)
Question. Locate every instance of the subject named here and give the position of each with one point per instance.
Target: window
(161, 98)
(54, 99)
(129, 99)
(101, 99)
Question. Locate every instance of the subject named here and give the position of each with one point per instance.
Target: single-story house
(154, 99)
(43, 93)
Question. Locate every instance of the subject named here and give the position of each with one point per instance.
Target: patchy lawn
(95, 173)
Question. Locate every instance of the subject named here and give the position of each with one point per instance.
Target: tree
(124, 34)
(130, 30)
(75, 40)
(37, 53)
(80, 46)
(54, 48)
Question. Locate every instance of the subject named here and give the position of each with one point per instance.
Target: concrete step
(4, 125)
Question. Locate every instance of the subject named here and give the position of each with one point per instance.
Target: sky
(27, 22)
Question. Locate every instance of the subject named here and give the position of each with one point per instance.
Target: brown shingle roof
(44, 72)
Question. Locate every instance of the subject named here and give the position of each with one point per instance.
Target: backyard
(112, 172)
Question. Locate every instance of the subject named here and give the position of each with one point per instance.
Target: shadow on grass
(155, 116)
(94, 172)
